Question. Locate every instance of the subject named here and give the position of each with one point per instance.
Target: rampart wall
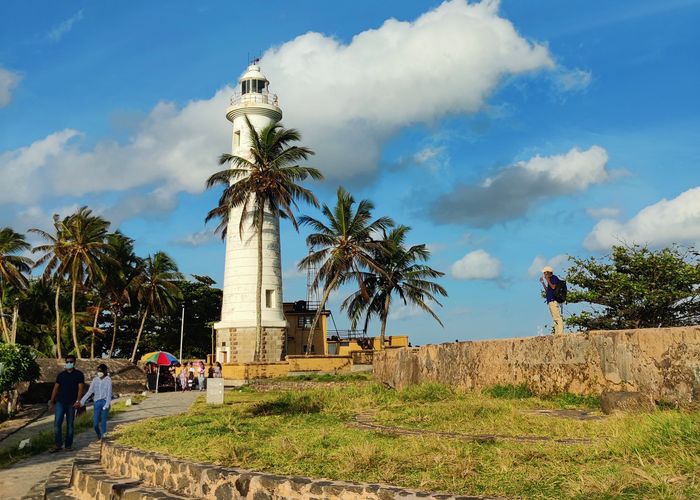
(661, 362)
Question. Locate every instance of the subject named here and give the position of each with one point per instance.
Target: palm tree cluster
(348, 245)
(99, 268)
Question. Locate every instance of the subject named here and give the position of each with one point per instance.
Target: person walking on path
(550, 282)
(101, 390)
(67, 391)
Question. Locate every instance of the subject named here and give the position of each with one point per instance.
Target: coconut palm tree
(265, 181)
(156, 289)
(12, 274)
(119, 274)
(83, 252)
(54, 269)
(342, 248)
(403, 276)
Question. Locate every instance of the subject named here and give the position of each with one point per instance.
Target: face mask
(100, 374)
(69, 366)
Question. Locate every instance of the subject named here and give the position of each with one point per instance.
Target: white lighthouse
(236, 332)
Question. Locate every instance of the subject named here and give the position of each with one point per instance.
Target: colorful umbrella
(160, 358)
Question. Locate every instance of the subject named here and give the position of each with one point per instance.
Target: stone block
(611, 402)
(215, 391)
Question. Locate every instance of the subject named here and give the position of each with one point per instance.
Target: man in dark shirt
(67, 391)
(550, 281)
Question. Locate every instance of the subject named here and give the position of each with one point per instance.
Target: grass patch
(307, 432)
(328, 377)
(509, 391)
(289, 403)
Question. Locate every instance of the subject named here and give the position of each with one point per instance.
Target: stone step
(90, 481)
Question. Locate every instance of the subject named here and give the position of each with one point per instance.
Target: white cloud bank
(664, 222)
(8, 81)
(347, 99)
(515, 189)
(477, 265)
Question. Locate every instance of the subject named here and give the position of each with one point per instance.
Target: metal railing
(254, 98)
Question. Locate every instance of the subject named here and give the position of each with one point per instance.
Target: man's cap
(547, 269)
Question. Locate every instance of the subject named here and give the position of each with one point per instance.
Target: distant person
(217, 370)
(210, 371)
(550, 282)
(201, 375)
(183, 377)
(101, 390)
(67, 391)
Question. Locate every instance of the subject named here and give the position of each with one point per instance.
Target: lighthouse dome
(253, 81)
(253, 73)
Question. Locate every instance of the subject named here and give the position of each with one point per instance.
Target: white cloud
(603, 212)
(293, 272)
(405, 312)
(566, 80)
(558, 262)
(664, 222)
(58, 31)
(8, 81)
(174, 150)
(348, 99)
(512, 191)
(477, 265)
(198, 239)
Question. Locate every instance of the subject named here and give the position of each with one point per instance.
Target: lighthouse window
(236, 138)
(258, 86)
(245, 87)
(269, 296)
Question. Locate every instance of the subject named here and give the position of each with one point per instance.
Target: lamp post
(182, 330)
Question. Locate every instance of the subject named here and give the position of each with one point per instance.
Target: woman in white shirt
(101, 389)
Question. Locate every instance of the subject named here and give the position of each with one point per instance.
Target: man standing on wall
(550, 282)
(67, 391)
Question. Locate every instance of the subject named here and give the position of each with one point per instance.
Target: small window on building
(223, 344)
(269, 298)
(245, 87)
(236, 138)
(304, 321)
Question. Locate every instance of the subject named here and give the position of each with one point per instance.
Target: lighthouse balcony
(249, 98)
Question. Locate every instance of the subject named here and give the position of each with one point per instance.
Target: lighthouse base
(237, 345)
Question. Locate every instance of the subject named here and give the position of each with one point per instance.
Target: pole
(157, 376)
(182, 331)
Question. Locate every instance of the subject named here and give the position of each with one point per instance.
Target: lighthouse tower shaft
(236, 332)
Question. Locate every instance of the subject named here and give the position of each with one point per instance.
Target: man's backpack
(559, 293)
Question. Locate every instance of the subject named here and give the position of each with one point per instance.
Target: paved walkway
(16, 481)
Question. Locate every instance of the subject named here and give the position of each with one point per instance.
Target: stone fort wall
(663, 363)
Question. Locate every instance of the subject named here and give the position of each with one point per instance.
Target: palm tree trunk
(138, 336)
(114, 333)
(59, 354)
(385, 316)
(94, 327)
(5, 333)
(324, 299)
(73, 325)
(13, 328)
(258, 290)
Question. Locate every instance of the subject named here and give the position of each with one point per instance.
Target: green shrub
(17, 364)
(509, 391)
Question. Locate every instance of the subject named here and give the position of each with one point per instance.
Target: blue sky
(507, 135)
